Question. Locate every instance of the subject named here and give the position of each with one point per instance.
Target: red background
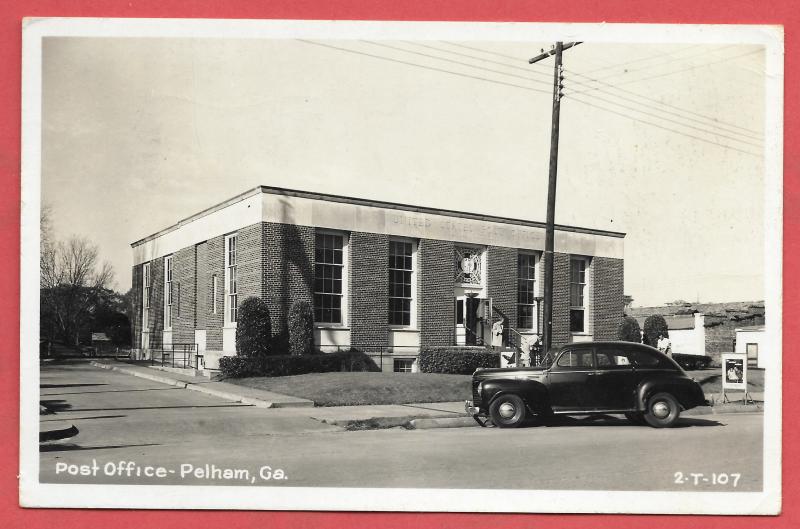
(784, 12)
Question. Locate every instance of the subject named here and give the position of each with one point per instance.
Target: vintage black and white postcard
(401, 266)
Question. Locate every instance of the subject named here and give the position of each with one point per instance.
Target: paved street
(129, 419)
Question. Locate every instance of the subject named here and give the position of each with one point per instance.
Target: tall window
(526, 291)
(168, 292)
(231, 297)
(214, 287)
(328, 274)
(577, 298)
(401, 268)
(145, 295)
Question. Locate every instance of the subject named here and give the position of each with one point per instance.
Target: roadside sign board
(734, 372)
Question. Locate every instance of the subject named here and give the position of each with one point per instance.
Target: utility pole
(558, 77)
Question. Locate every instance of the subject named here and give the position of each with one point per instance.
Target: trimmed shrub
(287, 365)
(301, 329)
(653, 326)
(253, 328)
(629, 330)
(456, 361)
(692, 361)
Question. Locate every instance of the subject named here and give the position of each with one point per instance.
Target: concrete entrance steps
(254, 397)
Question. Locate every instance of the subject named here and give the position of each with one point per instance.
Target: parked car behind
(587, 378)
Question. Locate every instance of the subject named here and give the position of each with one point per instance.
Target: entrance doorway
(473, 326)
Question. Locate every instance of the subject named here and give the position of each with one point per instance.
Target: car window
(643, 358)
(576, 359)
(612, 358)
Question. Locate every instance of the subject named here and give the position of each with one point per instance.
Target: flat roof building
(384, 278)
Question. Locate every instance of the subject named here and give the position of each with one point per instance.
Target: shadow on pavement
(54, 386)
(234, 405)
(84, 418)
(611, 420)
(75, 448)
(107, 391)
(56, 405)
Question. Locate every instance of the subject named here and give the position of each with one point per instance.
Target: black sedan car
(587, 378)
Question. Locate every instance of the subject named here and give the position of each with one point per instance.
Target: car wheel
(662, 410)
(635, 417)
(507, 411)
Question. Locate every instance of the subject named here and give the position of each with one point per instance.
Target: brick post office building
(387, 279)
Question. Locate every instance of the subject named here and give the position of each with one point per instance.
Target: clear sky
(140, 133)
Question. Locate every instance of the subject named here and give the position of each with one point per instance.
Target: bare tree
(72, 282)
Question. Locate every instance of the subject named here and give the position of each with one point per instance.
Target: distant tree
(629, 330)
(110, 317)
(653, 326)
(73, 283)
(253, 328)
(301, 328)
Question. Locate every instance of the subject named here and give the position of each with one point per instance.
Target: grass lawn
(711, 379)
(350, 389)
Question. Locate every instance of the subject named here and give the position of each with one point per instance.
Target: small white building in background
(749, 341)
(687, 333)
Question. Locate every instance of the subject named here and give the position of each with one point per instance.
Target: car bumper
(471, 409)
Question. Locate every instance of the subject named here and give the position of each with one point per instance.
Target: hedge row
(286, 365)
(456, 361)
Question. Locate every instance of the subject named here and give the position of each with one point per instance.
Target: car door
(570, 380)
(615, 382)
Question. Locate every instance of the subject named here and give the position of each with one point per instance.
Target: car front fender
(533, 392)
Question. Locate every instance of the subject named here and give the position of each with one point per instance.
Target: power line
(483, 51)
(724, 59)
(648, 58)
(520, 87)
(664, 128)
(432, 68)
(718, 123)
(389, 46)
(527, 70)
(577, 82)
(674, 121)
(663, 63)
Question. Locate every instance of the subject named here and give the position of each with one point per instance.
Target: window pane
(576, 320)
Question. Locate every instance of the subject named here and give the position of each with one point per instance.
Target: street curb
(200, 388)
(444, 422)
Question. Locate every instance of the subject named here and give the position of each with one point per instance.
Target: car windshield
(547, 360)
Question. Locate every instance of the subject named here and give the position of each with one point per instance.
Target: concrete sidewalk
(414, 416)
(223, 390)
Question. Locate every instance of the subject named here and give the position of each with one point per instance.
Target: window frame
(147, 286)
(345, 267)
(584, 294)
(412, 322)
(231, 299)
(168, 297)
(534, 285)
(214, 295)
(402, 370)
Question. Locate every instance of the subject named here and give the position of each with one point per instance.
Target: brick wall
(211, 262)
(156, 323)
(561, 332)
(136, 324)
(287, 253)
(502, 283)
(607, 296)
(203, 292)
(435, 287)
(369, 290)
(184, 268)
